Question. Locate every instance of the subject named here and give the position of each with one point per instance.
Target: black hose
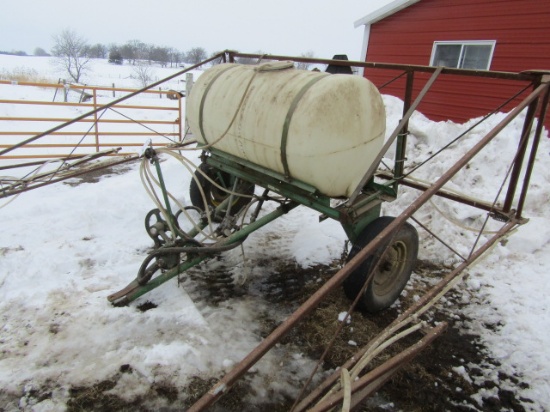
(144, 276)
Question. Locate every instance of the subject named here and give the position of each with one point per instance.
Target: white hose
(346, 385)
(446, 216)
(150, 182)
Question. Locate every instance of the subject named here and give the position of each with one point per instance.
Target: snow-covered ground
(64, 249)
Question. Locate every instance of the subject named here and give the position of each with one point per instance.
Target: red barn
(499, 35)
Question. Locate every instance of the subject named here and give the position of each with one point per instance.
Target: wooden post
(113, 90)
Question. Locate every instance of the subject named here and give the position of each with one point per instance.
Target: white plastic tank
(322, 129)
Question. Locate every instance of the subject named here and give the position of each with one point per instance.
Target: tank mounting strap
(290, 113)
(203, 100)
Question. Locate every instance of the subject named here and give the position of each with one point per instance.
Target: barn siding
(520, 29)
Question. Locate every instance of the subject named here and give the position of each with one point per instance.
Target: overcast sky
(288, 27)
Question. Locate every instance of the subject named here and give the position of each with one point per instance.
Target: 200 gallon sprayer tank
(309, 137)
(318, 128)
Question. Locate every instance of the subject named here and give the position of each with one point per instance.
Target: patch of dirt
(94, 176)
(5, 250)
(448, 375)
(147, 305)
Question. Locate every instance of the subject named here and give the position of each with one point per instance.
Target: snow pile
(511, 284)
(64, 249)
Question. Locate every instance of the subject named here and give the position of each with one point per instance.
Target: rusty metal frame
(373, 380)
(536, 106)
(538, 98)
(536, 102)
(411, 313)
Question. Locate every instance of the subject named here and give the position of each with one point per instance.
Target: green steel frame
(353, 218)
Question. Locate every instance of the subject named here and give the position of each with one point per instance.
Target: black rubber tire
(392, 273)
(215, 196)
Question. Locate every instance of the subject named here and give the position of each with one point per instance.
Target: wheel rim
(217, 195)
(389, 272)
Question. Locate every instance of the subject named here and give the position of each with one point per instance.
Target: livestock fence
(123, 127)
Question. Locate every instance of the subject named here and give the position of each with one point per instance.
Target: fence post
(65, 90)
(113, 90)
(188, 87)
(96, 128)
(56, 89)
(179, 119)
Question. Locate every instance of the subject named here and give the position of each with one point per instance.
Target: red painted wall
(521, 29)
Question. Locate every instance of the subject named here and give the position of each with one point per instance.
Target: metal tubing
(76, 86)
(41, 162)
(479, 204)
(431, 294)
(523, 76)
(395, 133)
(61, 119)
(520, 154)
(533, 155)
(230, 378)
(4, 194)
(106, 106)
(43, 103)
(437, 237)
(156, 161)
(96, 118)
(402, 136)
(235, 237)
(378, 376)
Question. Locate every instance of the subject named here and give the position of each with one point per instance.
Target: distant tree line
(14, 53)
(73, 54)
(136, 50)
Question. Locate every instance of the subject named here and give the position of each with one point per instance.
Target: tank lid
(281, 65)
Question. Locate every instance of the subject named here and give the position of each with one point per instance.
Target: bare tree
(70, 50)
(303, 65)
(134, 50)
(129, 53)
(160, 55)
(115, 54)
(142, 73)
(174, 56)
(97, 51)
(196, 55)
(39, 51)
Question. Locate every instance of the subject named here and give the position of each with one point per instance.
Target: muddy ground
(429, 383)
(447, 376)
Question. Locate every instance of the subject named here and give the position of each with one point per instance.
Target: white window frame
(463, 43)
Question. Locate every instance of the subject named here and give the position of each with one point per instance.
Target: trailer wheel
(392, 273)
(214, 195)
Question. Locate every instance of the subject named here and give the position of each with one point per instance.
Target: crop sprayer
(316, 139)
(271, 133)
(307, 138)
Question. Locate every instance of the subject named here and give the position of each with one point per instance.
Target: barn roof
(384, 12)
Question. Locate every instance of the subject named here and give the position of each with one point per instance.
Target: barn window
(463, 55)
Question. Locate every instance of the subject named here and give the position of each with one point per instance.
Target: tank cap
(282, 65)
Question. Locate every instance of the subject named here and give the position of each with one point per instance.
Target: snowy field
(65, 248)
(115, 127)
